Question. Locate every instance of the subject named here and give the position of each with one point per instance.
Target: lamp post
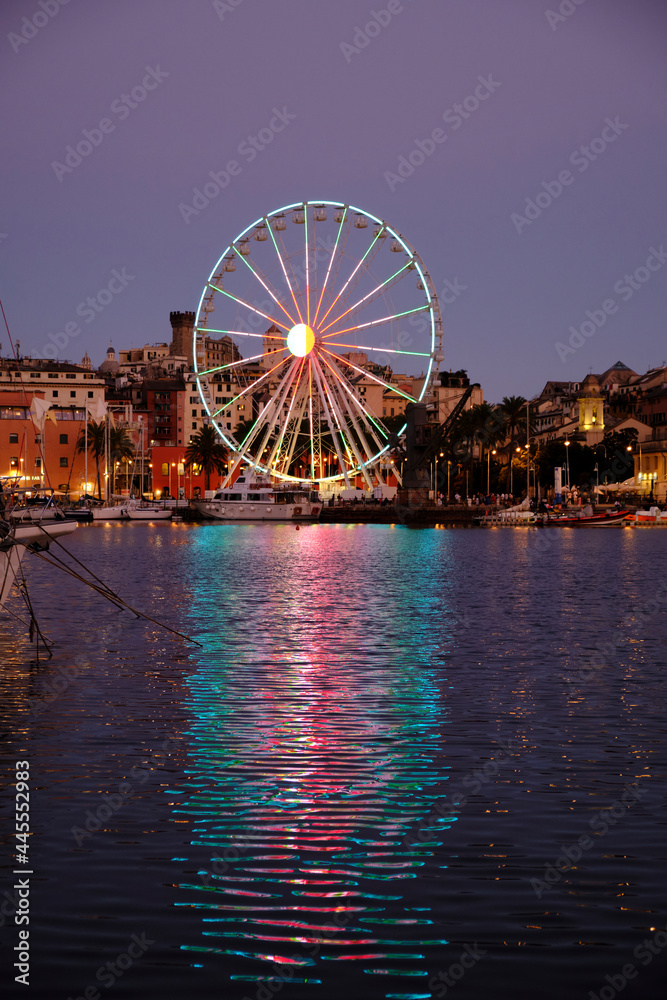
(449, 465)
(567, 464)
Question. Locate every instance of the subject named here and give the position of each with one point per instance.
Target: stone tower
(182, 327)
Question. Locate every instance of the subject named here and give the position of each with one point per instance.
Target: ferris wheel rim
(431, 307)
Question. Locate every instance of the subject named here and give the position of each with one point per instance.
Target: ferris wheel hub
(300, 340)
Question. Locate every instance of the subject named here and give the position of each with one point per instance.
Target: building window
(64, 439)
(72, 393)
(70, 374)
(38, 438)
(38, 463)
(194, 425)
(55, 393)
(63, 463)
(165, 468)
(90, 394)
(35, 374)
(14, 462)
(13, 439)
(194, 413)
(52, 375)
(241, 406)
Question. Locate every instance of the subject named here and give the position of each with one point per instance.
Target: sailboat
(16, 539)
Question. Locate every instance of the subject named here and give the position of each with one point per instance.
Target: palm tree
(96, 434)
(206, 451)
(513, 410)
(120, 447)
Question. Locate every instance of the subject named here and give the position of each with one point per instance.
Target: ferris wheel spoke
(310, 419)
(281, 437)
(248, 388)
(243, 361)
(266, 419)
(257, 275)
(340, 420)
(367, 374)
(380, 350)
(332, 421)
(331, 260)
(368, 414)
(242, 333)
(371, 423)
(353, 432)
(307, 256)
(285, 275)
(247, 305)
(359, 264)
(376, 322)
(296, 427)
(370, 297)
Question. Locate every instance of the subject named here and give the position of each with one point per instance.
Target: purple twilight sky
(569, 88)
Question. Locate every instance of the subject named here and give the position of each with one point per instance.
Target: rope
(105, 591)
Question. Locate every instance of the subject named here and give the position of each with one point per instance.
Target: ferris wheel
(317, 321)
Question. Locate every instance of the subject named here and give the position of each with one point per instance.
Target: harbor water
(394, 763)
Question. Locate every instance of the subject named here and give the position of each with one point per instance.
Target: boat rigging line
(99, 586)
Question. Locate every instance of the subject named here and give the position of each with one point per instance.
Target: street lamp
(488, 470)
(567, 465)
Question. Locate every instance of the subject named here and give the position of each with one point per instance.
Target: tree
(207, 452)
(96, 435)
(513, 409)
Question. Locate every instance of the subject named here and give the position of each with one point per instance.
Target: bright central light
(300, 340)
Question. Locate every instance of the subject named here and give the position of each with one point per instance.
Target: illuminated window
(165, 468)
(63, 463)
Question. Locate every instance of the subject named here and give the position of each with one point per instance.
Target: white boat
(148, 512)
(109, 513)
(35, 508)
(13, 542)
(253, 498)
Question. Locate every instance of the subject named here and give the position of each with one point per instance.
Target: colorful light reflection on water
(306, 778)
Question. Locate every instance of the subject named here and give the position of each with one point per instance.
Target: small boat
(253, 498)
(651, 516)
(615, 519)
(148, 512)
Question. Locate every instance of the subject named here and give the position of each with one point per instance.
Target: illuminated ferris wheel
(325, 321)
